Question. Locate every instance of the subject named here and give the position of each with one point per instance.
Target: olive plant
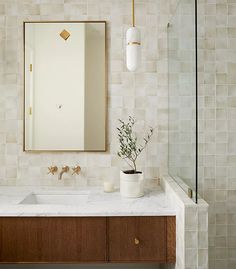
(130, 149)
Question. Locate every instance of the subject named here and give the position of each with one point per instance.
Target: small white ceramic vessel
(131, 185)
(108, 186)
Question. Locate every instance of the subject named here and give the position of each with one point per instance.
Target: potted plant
(132, 180)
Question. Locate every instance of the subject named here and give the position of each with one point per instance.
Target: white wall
(29, 85)
(95, 83)
(142, 94)
(55, 86)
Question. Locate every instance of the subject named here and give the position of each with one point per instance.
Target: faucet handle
(52, 170)
(76, 170)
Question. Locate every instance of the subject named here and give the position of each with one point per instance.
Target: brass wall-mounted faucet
(64, 169)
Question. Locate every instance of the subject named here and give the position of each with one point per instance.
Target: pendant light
(133, 44)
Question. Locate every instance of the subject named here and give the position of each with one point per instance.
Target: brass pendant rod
(133, 14)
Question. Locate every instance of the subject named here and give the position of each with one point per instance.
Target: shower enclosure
(183, 116)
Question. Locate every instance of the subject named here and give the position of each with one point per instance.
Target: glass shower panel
(182, 97)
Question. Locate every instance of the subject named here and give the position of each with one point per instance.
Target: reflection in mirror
(65, 86)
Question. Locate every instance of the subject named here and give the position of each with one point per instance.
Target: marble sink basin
(55, 199)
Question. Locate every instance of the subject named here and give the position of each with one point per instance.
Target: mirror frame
(106, 89)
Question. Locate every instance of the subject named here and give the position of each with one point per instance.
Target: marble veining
(98, 203)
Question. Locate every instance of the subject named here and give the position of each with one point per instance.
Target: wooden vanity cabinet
(137, 239)
(141, 239)
(87, 239)
(52, 240)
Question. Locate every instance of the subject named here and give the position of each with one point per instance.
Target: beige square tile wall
(217, 113)
(142, 94)
(217, 126)
(191, 227)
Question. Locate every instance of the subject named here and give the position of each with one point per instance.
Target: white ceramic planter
(131, 185)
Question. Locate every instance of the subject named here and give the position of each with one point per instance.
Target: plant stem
(135, 168)
(129, 151)
(128, 163)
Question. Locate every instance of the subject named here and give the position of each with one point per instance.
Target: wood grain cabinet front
(141, 239)
(87, 239)
(52, 240)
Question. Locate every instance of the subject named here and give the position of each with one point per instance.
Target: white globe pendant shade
(133, 48)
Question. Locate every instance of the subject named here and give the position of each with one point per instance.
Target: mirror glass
(65, 86)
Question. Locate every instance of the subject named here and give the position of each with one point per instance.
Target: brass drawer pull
(136, 241)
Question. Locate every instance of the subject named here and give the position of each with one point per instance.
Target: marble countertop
(98, 203)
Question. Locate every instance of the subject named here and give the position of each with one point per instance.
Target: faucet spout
(64, 169)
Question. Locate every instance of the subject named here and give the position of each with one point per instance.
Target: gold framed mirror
(65, 86)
